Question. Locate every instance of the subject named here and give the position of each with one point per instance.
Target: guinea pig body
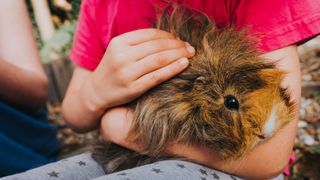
(228, 100)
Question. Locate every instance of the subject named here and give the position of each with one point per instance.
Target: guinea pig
(228, 100)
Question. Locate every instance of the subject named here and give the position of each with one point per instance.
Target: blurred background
(54, 23)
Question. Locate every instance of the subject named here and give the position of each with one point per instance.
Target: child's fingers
(154, 78)
(159, 60)
(142, 35)
(151, 47)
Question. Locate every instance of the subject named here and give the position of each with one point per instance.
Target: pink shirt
(277, 22)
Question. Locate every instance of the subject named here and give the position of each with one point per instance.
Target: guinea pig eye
(231, 102)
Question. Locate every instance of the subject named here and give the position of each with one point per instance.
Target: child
(117, 63)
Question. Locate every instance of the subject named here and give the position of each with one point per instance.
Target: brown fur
(190, 108)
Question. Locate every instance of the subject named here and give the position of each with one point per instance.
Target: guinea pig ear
(200, 80)
(272, 76)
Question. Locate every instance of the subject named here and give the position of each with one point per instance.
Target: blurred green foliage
(59, 44)
(65, 23)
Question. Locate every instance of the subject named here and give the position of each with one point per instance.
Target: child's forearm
(264, 162)
(80, 109)
(269, 159)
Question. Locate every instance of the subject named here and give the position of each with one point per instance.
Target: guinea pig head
(237, 110)
(229, 99)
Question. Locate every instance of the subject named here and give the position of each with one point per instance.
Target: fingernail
(184, 61)
(190, 49)
(187, 44)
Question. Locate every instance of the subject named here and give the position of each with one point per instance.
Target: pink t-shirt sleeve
(278, 23)
(87, 49)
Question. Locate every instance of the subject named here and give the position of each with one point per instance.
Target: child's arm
(265, 161)
(132, 64)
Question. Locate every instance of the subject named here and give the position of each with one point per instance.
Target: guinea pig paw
(261, 136)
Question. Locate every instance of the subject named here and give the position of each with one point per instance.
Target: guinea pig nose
(231, 102)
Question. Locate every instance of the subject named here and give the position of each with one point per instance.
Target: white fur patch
(270, 123)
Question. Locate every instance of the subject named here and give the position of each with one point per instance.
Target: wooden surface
(59, 73)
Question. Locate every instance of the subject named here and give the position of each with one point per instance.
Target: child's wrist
(93, 102)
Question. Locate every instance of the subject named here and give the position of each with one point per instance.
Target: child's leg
(80, 167)
(15, 158)
(172, 170)
(83, 167)
(31, 130)
(27, 140)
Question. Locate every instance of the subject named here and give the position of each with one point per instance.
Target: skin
(22, 78)
(88, 101)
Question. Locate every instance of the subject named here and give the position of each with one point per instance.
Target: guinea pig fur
(228, 100)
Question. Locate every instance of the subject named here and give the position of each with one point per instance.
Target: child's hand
(132, 64)
(135, 62)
